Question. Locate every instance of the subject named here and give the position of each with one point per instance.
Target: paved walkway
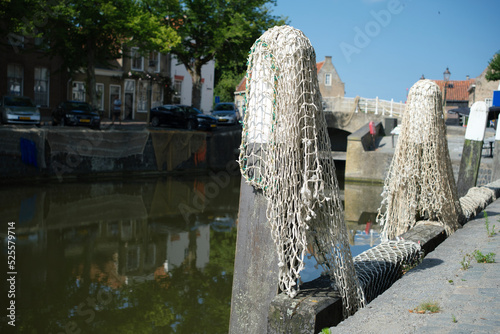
(469, 299)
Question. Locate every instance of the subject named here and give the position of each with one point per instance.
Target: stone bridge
(345, 116)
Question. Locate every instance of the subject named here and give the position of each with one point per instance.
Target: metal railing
(372, 106)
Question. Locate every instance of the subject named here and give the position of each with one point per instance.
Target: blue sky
(403, 39)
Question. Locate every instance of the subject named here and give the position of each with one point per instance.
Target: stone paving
(469, 299)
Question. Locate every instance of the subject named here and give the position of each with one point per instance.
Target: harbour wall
(32, 153)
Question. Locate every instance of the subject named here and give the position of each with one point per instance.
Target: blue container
(496, 98)
(28, 152)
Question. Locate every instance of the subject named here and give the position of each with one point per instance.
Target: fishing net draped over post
(286, 152)
(420, 183)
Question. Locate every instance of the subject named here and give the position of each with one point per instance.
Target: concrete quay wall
(368, 157)
(64, 153)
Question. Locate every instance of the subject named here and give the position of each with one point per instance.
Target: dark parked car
(226, 113)
(76, 113)
(18, 110)
(181, 116)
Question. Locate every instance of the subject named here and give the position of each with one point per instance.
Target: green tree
(493, 72)
(227, 83)
(95, 32)
(216, 29)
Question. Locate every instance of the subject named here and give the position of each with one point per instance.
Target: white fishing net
(286, 152)
(420, 183)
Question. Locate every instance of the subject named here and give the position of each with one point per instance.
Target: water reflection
(152, 256)
(138, 256)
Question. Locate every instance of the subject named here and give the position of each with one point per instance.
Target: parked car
(205, 122)
(18, 110)
(181, 116)
(76, 113)
(226, 113)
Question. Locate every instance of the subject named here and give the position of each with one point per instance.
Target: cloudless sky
(403, 39)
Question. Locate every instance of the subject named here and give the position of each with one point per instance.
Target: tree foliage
(221, 30)
(227, 83)
(493, 72)
(91, 33)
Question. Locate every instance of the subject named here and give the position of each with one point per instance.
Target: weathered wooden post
(496, 155)
(255, 281)
(473, 148)
(256, 276)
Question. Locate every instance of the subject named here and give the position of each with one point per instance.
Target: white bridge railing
(372, 106)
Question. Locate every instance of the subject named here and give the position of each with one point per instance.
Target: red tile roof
(320, 65)
(242, 85)
(457, 90)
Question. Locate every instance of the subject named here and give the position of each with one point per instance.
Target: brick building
(482, 90)
(31, 74)
(456, 92)
(141, 82)
(329, 82)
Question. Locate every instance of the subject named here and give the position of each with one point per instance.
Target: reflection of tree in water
(185, 300)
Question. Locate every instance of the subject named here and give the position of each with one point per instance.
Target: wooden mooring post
(255, 281)
(473, 148)
(496, 155)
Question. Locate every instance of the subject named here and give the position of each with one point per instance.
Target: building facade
(141, 81)
(183, 84)
(31, 74)
(455, 92)
(482, 89)
(329, 82)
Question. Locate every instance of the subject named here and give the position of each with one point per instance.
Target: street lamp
(446, 77)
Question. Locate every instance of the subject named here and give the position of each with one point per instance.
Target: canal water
(135, 256)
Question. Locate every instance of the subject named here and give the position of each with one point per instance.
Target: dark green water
(136, 256)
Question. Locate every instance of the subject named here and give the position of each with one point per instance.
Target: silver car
(18, 110)
(226, 113)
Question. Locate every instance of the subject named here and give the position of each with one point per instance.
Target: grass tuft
(484, 258)
(427, 307)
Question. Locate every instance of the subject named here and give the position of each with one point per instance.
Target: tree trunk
(91, 81)
(196, 90)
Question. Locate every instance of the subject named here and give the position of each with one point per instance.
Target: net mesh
(420, 183)
(286, 152)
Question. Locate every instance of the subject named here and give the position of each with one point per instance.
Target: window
(178, 91)
(17, 41)
(137, 60)
(100, 95)
(154, 62)
(157, 95)
(15, 75)
(78, 92)
(328, 79)
(129, 98)
(142, 96)
(115, 92)
(42, 86)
